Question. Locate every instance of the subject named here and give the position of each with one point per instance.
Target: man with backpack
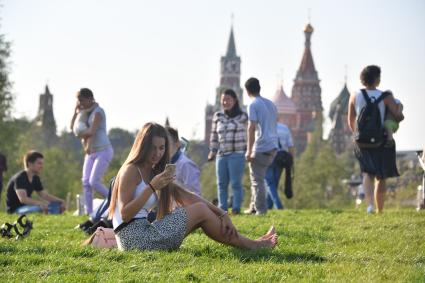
(283, 160)
(366, 114)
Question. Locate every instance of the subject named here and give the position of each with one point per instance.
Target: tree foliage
(6, 97)
(318, 176)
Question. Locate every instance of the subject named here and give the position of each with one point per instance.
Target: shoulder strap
(140, 172)
(382, 97)
(141, 176)
(366, 96)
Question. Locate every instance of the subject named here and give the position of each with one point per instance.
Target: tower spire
(231, 47)
(307, 70)
(46, 89)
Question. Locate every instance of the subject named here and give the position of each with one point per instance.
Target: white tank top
(143, 212)
(373, 94)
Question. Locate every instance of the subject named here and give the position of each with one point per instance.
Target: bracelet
(150, 186)
(222, 215)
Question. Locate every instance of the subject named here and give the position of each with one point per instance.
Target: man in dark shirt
(24, 183)
(3, 168)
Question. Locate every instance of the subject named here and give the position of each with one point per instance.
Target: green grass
(315, 246)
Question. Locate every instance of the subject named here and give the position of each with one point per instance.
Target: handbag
(103, 238)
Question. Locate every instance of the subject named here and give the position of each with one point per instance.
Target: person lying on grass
(143, 183)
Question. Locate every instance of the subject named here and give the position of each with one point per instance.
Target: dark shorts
(380, 161)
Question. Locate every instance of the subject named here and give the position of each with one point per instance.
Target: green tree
(319, 174)
(6, 98)
(61, 175)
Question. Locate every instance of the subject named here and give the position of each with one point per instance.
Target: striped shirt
(228, 135)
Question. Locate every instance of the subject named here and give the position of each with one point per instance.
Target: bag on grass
(103, 238)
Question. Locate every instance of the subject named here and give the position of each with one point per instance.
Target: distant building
(302, 112)
(340, 135)
(45, 118)
(230, 77)
(286, 109)
(306, 95)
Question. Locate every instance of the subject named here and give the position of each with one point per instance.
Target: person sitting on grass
(22, 185)
(187, 172)
(142, 183)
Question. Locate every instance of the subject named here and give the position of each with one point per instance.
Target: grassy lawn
(315, 245)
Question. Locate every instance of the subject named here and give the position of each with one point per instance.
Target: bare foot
(269, 233)
(271, 242)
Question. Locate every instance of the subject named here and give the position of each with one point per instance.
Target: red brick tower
(306, 94)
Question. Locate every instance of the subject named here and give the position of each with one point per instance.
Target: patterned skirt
(165, 234)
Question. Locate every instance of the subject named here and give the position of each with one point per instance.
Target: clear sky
(145, 60)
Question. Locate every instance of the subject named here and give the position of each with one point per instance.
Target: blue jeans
(54, 208)
(272, 179)
(230, 168)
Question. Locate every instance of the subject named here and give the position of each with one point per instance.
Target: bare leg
(380, 190)
(200, 215)
(368, 188)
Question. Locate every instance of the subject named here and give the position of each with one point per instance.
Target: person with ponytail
(142, 183)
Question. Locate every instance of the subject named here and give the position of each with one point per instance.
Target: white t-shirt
(284, 137)
(373, 94)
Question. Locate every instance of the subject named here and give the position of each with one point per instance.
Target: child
(390, 124)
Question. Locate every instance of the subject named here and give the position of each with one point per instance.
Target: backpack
(370, 132)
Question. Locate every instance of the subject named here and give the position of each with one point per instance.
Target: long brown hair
(139, 153)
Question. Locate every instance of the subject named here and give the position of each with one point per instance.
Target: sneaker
(249, 211)
(261, 213)
(370, 209)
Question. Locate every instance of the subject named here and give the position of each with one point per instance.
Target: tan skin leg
(200, 215)
(380, 190)
(368, 187)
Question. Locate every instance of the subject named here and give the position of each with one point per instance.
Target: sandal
(6, 228)
(27, 227)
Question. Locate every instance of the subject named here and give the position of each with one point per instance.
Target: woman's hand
(161, 180)
(87, 149)
(227, 228)
(211, 155)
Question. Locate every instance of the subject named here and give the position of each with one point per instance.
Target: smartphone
(170, 169)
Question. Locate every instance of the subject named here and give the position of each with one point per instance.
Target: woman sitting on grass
(142, 184)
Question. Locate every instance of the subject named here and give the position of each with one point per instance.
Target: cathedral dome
(283, 103)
